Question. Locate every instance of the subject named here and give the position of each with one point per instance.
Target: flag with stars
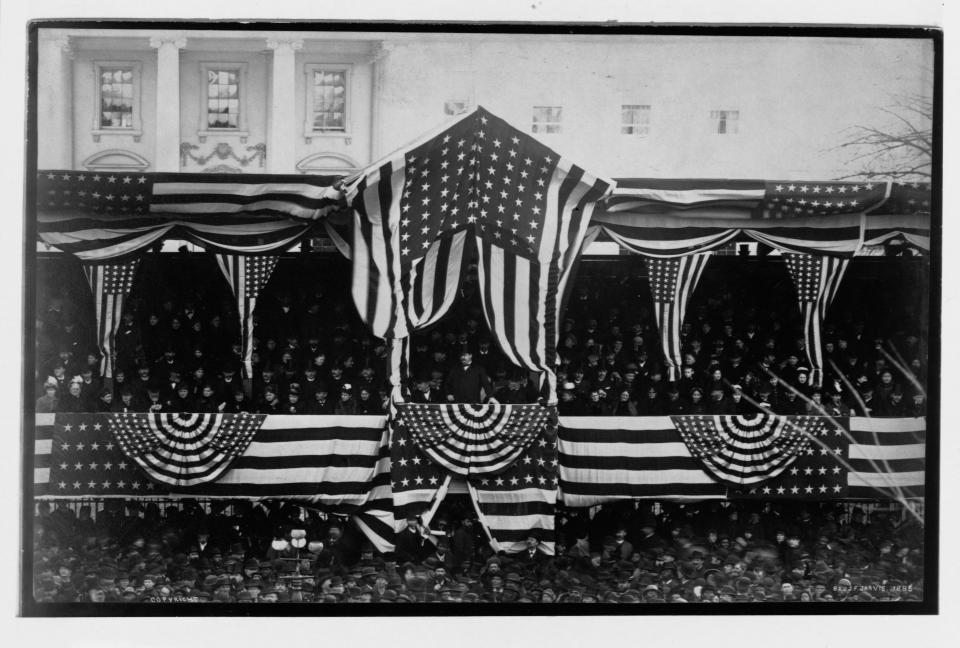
(516, 501)
(472, 440)
(819, 470)
(86, 460)
(521, 501)
(184, 450)
(672, 282)
(110, 284)
(247, 275)
(794, 199)
(526, 208)
(101, 215)
(744, 450)
(817, 279)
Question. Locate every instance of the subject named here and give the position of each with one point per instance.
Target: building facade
(333, 102)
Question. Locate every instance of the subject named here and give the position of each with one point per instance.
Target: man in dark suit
(463, 383)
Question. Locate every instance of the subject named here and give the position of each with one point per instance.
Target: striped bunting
(669, 236)
(99, 216)
(603, 459)
(184, 450)
(887, 457)
(743, 450)
(472, 440)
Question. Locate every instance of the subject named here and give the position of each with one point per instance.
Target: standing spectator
(47, 404)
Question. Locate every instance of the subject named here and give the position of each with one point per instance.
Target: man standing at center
(464, 383)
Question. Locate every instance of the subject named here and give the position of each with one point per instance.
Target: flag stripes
(344, 462)
(110, 284)
(672, 282)
(99, 216)
(670, 235)
(887, 457)
(817, 279)
(608, 459)
(247, 276)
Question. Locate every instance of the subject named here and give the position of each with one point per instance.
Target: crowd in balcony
(311, 355)
(277, 552)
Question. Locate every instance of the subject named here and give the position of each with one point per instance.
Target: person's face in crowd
(207, 392)
(816, 397)
(336, 372)
(652, 394)
(621, 536)
(466, 359)
(58, 371)
(696, 396)
(97, 595)
(781, 537)
(688, 372)
(75, 389)
(886, 377)
(269, 396)
(624, 396)
(793, 542)
(153, 319)
(176, 324)
(594, 396)
(629, 377)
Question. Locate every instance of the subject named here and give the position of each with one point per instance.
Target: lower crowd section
(272, 551)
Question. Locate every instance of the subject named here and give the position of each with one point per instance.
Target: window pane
(223, 103)
(329, 100)
(116, 97)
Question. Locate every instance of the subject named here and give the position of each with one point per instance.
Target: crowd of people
(278, 552)
(312, 355)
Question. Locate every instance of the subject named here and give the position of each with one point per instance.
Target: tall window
(726, 122)
(547, 119)
(223, 98)
(116, 97)
(329, 101)
(635, 120)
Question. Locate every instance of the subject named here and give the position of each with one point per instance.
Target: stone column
(283, 125)
(55, 103)
(167, 155)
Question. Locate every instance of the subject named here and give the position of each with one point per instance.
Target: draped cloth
(672, 282)
(99, 216)
(247, 275)
(110, 284)
(817, 279)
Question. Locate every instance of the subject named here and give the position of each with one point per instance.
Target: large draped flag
(247, 275)
(101, 215)
(672, 282)
(605, 459)
(743, 450)
(336, 462)
(668, 218)
(817, 279)
(110, 284)
(526, 207)
(508, 453)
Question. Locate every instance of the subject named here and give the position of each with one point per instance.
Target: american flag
(110, 284)
(607, 459)
(818, 471)
(520, 501)
(515, 502)
(817, 279)
(672, 282)
(101, 215)
(742, 450)
(247, 275)
(339, 462)
(184, 450)
(526, 207)
(471, 440)
(792, 199)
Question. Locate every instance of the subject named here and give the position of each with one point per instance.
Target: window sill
(225, 132)
(135, 133)
(308, 136)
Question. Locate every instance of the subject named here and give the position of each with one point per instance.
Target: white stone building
(333, 102)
